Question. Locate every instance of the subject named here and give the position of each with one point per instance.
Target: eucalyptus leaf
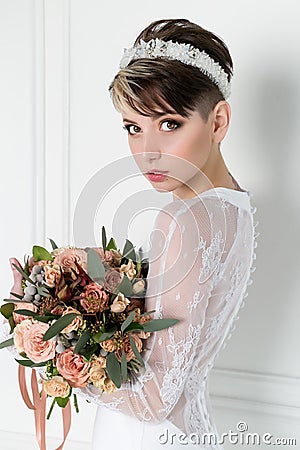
(159, 324)
(23, 273)
(28, 363)
(125, 286)
(40, 253)
(54, 246)
(134, 326)
(100, 337)
(128, 321)
(83, 340)
(104, 240)
(59, 325)
(124, 366)
(135, 351)
(96, 269)
(113, 368)
(128, 251)
(17, 295)
(8, 343)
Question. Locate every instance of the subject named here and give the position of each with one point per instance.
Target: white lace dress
(201, 259)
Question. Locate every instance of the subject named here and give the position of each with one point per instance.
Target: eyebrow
(154, 117)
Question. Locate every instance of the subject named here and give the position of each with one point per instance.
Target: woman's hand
(17, 286)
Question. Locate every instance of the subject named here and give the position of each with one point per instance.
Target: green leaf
(62, 402)
(104, 240)
(7, 310)
(113, 368)
(40, 253)
(111, 245)
(43, 291)
(26, 312)
(17, 295)
(89, 351)
(12, 324)
(135, 351)
(125, 286)
(7, 343)
(100, 337)
(54, 246)
(23, 273)
(59, 325)
(159, 324)
(128, 321)
(124, 366)
(134, 326)
(128, 251)
(83, 340)
(28, 363)
(96, 269)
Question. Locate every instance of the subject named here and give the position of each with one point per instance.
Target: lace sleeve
(186, 247)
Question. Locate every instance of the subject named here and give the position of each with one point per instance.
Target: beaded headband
(185, 53)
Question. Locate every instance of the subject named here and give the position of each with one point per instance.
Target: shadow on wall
(276, 120)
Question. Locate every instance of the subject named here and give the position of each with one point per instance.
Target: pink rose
(73, 368)
(94, 298)
(19, 331)
(127, 347)
(35, 348)
(76, 323)
(18, 318)
(67, 257)
(112, 279)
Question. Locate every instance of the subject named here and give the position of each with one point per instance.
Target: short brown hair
(147, 85)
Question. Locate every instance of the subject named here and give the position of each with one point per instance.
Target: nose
(150, 149)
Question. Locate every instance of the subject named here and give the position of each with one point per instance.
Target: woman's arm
(187, 246)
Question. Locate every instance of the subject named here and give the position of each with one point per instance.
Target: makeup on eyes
(176, 124)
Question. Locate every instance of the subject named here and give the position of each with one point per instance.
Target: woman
(172, 98)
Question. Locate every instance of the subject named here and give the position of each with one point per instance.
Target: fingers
(17, 286)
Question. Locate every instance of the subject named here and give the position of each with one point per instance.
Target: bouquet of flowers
(81, 318)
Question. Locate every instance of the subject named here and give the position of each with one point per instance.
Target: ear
(221, 120)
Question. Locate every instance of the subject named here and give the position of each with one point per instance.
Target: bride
(172, 98)
(171, 91)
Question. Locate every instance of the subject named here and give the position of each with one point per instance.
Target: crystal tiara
(185, 53)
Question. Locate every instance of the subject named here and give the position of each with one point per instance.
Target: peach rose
(67, 257)
(119, 304)
(76, 323)
(73, 368)
(35, 348)
(99, 361)
(127, 347)
(109, 345)
(19, 331)
(18, 318)
(111, 256)
(52, 274)
(97, 376)
(109, 386)
(138, 287)
(57, 387)
(94, 298)
(129, 269)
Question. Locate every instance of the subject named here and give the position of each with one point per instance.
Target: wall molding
(256, 392)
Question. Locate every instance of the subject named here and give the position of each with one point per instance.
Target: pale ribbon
(39, 407)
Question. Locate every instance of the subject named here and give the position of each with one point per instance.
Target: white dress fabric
(200, 262)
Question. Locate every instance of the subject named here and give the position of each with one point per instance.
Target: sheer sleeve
(186, 247)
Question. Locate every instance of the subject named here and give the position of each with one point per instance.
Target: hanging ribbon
(38, 404)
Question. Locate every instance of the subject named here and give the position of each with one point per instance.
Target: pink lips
(157, 175)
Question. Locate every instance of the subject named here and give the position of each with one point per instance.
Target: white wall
(58, 129)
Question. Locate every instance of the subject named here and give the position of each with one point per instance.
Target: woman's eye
(169, 125)
(132, 129)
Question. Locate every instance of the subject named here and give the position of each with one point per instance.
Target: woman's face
(181, 147)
